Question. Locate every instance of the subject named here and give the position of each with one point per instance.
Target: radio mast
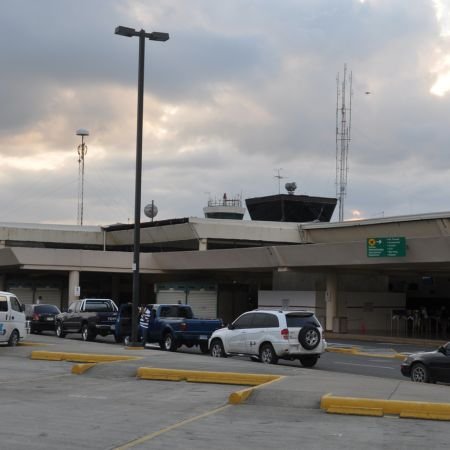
(343, 130)
(82, 150)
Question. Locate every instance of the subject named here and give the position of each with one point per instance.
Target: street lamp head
(158, 36)
(82, 132)
(154, 36)
(125, 31)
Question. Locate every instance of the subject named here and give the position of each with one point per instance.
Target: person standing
(144, 320)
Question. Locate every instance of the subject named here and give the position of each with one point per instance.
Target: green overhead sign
(386, 247)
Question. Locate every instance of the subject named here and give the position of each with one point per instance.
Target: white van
(13, 324)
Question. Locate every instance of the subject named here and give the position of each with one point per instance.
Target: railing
(225, 202)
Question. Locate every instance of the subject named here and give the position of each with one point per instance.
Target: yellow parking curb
(351, 350)
(382, 355)
(195, 376)
(357, 352)
(240, 396)
(367, 406)
(79, 357)
(79, 369)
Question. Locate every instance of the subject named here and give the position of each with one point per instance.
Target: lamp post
(154, 36)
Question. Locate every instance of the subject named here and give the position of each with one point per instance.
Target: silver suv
(269, 335)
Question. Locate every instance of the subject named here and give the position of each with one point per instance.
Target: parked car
(269, 335)
(13, 324)
(41, 317)
(428, 367)
(90, 317)
(175, 325)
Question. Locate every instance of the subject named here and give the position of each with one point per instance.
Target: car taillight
(35, 316)
(285, 333)
(183, 326)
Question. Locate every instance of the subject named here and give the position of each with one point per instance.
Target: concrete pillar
(330, 300)
(203, 244)
(74, 285)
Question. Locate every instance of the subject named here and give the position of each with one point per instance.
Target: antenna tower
(280, 177)
(82, 150)
(343, 129)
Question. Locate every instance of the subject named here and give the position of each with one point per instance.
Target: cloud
(241, 89)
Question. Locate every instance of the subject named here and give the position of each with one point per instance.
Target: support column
(331, 300)
(74, 285)
(202, 244)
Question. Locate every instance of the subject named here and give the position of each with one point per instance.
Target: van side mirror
(22, 308)
(231, 326)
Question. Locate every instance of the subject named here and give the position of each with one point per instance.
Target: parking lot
(45, 406)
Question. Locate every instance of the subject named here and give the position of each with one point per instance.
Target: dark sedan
(428, 367)
(41, 317)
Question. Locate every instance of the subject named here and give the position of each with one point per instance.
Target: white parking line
(365, 365)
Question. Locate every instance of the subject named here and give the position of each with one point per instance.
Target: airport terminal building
(388, 275)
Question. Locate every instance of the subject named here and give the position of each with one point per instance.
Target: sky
(242, 91)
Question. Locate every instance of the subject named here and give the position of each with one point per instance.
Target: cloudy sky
(242, 89)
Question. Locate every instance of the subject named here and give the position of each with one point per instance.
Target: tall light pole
(154, 36)
(82, 150)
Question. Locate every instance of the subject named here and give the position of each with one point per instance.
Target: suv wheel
(309, 337)
(59, 330)
(308, 361)
(217, 350)
(267, 354)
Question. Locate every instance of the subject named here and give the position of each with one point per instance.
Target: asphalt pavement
(45, 406)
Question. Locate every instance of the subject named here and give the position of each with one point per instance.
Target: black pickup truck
(90, 317)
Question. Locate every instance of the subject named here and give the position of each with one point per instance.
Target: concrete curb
(355, 351)
(79, 357)
(376, 338)
(378, 408)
